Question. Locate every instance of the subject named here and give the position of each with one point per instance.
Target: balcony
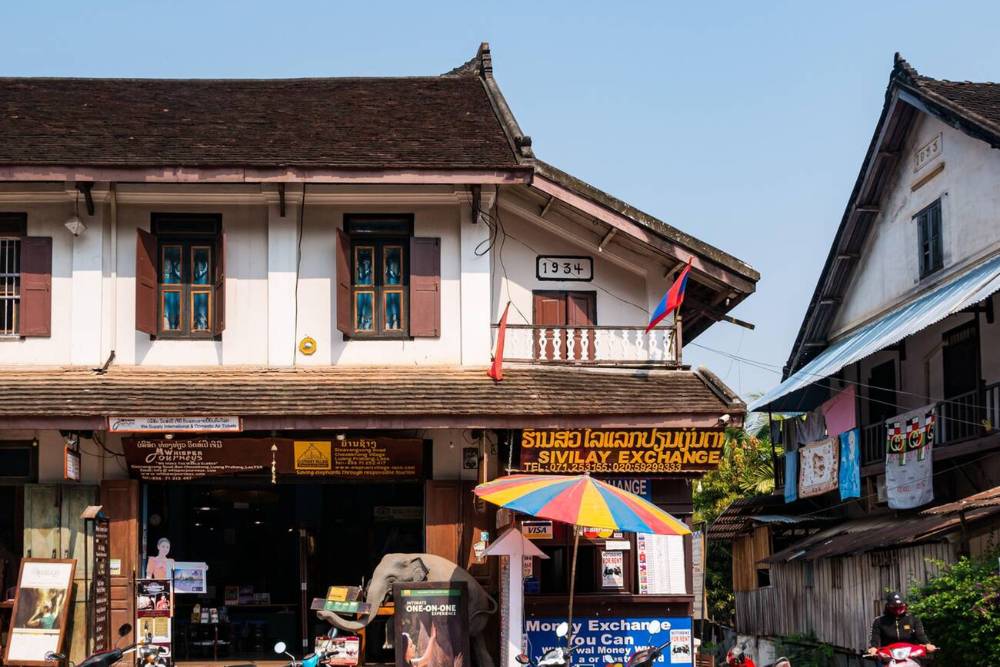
(961, 418)
(591, 345)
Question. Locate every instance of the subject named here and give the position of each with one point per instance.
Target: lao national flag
(672, 300)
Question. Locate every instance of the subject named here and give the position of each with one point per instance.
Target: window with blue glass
(379, 274)
(188, 275)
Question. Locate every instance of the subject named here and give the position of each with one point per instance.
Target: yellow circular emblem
(307, 346)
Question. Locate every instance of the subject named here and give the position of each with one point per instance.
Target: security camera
(725, 419)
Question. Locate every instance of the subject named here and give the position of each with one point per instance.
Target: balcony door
(556, 313)
(961, 411)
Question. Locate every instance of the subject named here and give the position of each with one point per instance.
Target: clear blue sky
(743, 123)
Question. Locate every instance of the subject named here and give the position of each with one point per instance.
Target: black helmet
(895, 604)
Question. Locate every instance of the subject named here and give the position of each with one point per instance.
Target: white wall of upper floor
(966, 178)
(275, 297)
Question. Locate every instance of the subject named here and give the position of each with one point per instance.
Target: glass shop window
(187, 275)
(380, 278)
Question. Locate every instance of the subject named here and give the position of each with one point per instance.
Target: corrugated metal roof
(950, 297)
(988, 498)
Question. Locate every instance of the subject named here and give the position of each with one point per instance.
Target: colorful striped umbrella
(580, 500)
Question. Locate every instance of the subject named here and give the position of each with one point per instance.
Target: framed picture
(190, 578)
(41, 608)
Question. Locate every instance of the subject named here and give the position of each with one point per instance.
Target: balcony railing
(591, 345)
(960, 418)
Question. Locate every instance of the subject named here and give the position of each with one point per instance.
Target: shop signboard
(636, 486)
(612, 639)
(431, 621)
(641, 451)
(41, 608)
(101, 608)
(185, 459)
(175, 424)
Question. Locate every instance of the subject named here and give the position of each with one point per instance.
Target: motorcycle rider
(895, 625)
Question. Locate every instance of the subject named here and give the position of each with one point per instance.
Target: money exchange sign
(652, 451)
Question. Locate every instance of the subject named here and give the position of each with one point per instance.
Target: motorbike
(556, 657)
(901, 654)
(330, 651)
(646, 657)
(148, 654)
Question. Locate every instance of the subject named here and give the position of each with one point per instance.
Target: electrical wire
(298, 272)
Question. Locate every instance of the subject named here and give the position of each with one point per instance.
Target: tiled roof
(360, 392)
(976, 101)
(421, 122)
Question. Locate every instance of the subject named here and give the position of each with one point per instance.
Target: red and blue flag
(672, 300)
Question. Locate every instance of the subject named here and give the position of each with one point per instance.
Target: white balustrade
(594, 345)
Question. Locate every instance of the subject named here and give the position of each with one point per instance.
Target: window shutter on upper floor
(36, 286)
(219, 325)
(425, 287)
(344, 320)
(146, 283)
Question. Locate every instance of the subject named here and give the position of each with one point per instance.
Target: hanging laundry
(818, 468)
(850, 466)
(909, 458)
(839, 412)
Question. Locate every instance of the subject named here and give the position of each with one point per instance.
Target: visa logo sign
(537, 530)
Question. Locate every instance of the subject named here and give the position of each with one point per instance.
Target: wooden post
(572, 584)
(678, 338)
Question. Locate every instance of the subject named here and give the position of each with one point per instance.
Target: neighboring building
(264, 310)
(903, 320)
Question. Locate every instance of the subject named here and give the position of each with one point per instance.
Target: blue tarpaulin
(946, 299)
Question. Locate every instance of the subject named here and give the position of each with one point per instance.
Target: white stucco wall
(970, 204)
(268, 311)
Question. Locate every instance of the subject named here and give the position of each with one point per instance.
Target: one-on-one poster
(819, 466)
(612, 569)
(38, 622)
(190, 578)
(154, 597)
(612, 639)
(791, 476)
(909, 458)
(850, 464)
(431, 624)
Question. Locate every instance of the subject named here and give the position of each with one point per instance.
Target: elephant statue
(404, 568)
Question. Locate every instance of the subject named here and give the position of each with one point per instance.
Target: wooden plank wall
(840, 615)
(748, 551)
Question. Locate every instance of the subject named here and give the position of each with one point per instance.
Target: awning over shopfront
(366, 397)
(946, 299)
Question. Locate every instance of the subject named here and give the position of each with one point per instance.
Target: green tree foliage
(960, 610)
(746, 470)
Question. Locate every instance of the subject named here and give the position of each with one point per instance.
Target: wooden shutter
(146, 283)
(344, 321)
(425, 287)
(120, 499)
(219, 325)
(36, 286)
(443, 518)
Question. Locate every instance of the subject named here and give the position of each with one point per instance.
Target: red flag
(496, 370)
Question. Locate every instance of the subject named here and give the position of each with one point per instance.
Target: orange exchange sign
(655, 451)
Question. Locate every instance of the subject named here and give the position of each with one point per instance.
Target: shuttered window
(25, 279)
(388, 282)
(931, 242)
(180, 280)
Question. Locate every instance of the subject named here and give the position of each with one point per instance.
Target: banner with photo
(909, 458)
(850, 464)
(818, 468)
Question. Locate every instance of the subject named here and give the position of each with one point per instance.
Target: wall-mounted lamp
(75, 224)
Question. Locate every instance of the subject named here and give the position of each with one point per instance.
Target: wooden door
(443, 518)
(558, 310)
(41, 521)
(120, 499)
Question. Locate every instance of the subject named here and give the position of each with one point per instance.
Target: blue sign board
(613, 639)
(640, 487)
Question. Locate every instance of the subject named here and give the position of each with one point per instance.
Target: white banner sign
(174, 424)
(909, 458)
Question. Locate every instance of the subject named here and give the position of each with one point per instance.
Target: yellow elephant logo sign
(313, 455)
